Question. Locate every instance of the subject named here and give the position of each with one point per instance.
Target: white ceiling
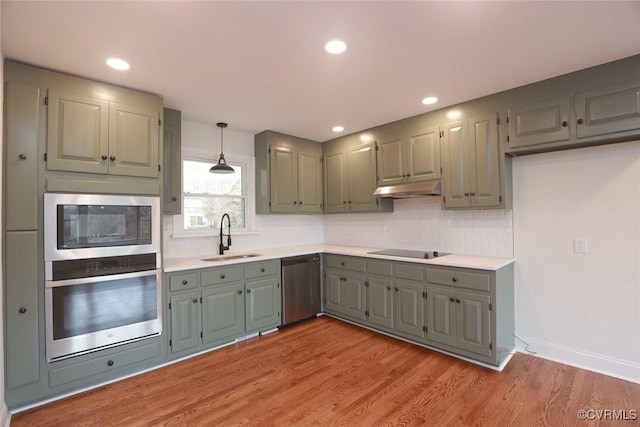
(261, 65)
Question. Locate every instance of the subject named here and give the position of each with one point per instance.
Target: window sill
(212, 234)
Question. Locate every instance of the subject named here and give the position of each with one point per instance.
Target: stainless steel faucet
(222, 246)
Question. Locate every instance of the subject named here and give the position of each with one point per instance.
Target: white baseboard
(5, 416)
(621, 369)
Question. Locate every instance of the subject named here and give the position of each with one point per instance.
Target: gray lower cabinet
(380, 301)
(409, 304)
(213, 306)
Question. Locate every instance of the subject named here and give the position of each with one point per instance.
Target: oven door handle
(95, 279)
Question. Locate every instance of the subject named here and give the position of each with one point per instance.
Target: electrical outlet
(580, 245)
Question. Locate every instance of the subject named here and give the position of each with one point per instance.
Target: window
(207, 196)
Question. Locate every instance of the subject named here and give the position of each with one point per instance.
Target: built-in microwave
(80, 226)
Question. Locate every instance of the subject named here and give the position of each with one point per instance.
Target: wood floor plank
(327, 372)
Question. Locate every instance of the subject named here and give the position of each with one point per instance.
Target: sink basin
(230, 257)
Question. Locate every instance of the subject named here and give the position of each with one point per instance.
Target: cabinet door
(172, 163)
(361, 180)
(484, 164)
(335, 182)
(222, 312)
(455, 165)
(409, 307)
(608, 111)
(133, 140)
(21, 308)
(441, 315)
(185, 314)
(472, 319)
(22, 127)
(77, 133)
(334, 299)
(539, 124)
(423, 155)
(309, 181)
(284, 179)
(355, 296)
(391, 161)
(380, 301)
(262, 304)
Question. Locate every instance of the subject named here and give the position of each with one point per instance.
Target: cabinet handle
(110, 363)
(451, 299)
(195, 300)
(22, 310)
(174, 199)
(22, 157)
(103, 157)
(184, 282)
(112, 158)
(458, 300)
(222, 276)
(239, 292)
(248, 291)
(580, 121)
(565, 124)
(473, 194)
(262, 270)
(454, 280)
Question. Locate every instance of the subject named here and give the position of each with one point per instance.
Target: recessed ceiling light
(335, 47)
(429, 100)
(338, 128)
(118, 64)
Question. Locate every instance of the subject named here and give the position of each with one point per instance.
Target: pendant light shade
(221, 166)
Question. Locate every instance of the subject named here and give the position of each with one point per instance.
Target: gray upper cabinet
(608, 111)
(288, 174)
(172, 162)
(350, 176)
(471, 163)
(93, 135)
(408, 155)
(539, 124)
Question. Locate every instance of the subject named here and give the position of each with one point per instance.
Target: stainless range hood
(405, 191)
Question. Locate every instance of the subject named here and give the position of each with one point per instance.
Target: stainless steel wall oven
(102, 270)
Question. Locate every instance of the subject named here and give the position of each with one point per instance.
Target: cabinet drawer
(103, 364)
(183, 281)
(410, 271)
(461, 278)
(346, 262)
(262, 268)
(222, 275)
(382, 268)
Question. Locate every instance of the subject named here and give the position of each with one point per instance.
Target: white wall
(582, 310)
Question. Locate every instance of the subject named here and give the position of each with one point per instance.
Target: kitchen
(539, 246)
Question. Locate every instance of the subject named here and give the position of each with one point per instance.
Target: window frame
(248, 191)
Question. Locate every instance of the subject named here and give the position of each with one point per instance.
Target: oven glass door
(86, 314)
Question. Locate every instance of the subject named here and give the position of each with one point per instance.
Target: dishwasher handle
(300, 259)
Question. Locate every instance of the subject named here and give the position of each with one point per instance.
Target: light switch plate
(580, 245)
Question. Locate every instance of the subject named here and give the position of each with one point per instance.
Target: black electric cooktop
(405, 253)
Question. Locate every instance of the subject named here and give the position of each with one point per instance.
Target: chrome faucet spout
(222, 246)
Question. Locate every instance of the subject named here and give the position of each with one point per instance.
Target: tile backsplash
(418, 224)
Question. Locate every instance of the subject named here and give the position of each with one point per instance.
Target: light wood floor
(327, 372)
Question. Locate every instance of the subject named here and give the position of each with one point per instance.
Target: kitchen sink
(230, 257)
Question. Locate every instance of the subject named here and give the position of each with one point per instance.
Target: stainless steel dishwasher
(300, 288)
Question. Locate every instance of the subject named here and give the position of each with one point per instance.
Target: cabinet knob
(22, 310)
(342, 263)
(458, 300)
(580, 121)
(408, 175)
(451, 299)
(262, 270)
(466, 194)
(344, 202)
(110, 363)
(103, 157)
(184, 282)
(349, 201)
(473, 194)
(195, 300)
(239, 291)
(22, 157)
(565, 124)
(222, 276)
(397, 289)
(112, 158)
(453, 279)
(248, 291)
(388, 288)
(295, 203)
(174, 198)
(300, 202)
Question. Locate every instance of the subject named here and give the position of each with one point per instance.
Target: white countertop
(463, 261)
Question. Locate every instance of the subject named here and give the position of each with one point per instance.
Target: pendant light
(221, 166)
